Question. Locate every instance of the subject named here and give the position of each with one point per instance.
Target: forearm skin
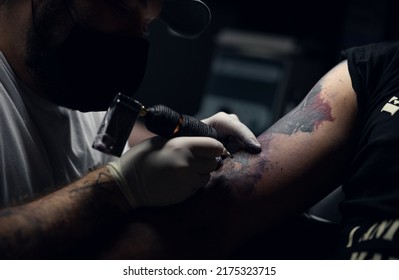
(62, 224)
(302, 159)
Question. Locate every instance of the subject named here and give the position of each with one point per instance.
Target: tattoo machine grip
(159, 119)
(163, 121)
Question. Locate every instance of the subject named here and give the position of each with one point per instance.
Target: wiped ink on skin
(249, 166)
(306, 117)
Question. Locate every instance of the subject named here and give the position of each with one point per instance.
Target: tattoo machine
(159, 119)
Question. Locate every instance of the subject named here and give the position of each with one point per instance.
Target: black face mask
(89, 68)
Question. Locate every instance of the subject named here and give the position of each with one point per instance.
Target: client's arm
(303, 157)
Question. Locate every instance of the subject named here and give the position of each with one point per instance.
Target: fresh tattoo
(250, 168)
(307, 116)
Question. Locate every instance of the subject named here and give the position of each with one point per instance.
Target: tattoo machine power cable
(122, 114)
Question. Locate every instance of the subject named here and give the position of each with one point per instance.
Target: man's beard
(44, 33)
(87, 68)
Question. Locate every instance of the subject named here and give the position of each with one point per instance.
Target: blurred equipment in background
(248, 76)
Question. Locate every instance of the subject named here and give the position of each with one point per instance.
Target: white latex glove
(234, 134)
(159, 172)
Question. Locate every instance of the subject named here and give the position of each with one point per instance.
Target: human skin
(303, 158)
(57, 224)
(77, 219)
(122, 17)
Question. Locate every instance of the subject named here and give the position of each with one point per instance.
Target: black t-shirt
(371, 209)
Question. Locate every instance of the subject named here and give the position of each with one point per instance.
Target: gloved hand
(159, 172)
(233, 133)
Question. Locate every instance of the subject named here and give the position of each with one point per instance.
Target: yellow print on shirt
(392, 106)
(384, 230)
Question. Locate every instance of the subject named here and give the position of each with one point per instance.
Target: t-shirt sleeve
(371, 67)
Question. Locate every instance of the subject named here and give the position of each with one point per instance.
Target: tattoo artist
(61, 64)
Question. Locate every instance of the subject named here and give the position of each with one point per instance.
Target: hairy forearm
(303, 157)
(249, 195)
(62, 224)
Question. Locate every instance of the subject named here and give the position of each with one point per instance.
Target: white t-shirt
(42, 146)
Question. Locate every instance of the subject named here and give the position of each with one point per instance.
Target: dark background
(178, 68)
